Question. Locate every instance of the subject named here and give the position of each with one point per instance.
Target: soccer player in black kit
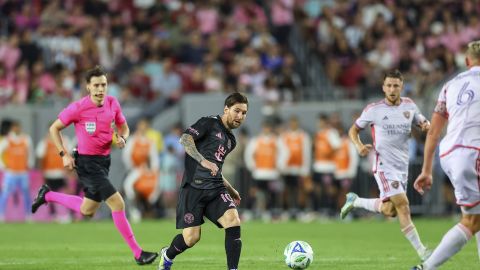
(204, 191)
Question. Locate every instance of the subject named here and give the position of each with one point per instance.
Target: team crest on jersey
(189, 218)
(395, 184)
(406, 114)
(90, 127)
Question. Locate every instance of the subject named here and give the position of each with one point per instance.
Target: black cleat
(146, 258)
(40, 199)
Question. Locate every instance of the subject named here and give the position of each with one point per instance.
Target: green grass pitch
(369, 244)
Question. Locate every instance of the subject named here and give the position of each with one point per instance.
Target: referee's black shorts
(93, 175)
(194, 204)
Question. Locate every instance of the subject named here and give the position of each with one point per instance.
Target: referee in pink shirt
(93, 117)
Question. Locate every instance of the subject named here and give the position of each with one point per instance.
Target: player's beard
(393, 100)
(234, 124)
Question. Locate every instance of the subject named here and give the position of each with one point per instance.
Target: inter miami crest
(406, 114)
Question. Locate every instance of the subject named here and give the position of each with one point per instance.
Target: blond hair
(473, 50)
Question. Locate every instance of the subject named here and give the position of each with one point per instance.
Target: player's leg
(373, 205)
(464, 177)
(190, 211)
(45, 195)
(401, 203)
(117, 205)
(454, 240)
(180, 243)
(8, 188)
(233, 243)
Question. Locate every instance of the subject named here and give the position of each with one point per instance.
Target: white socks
(411, 234)
(372, 205)
(452, 242)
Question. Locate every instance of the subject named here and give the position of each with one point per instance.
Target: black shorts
(55, 184)
(93, 175)
(194, 204)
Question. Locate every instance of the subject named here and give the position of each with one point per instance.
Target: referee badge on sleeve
(90, 127)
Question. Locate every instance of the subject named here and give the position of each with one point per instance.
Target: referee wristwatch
(61, 153)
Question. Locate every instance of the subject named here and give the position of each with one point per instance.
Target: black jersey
(214, 141)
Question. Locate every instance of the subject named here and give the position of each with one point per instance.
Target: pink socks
(70, 201)
(121, 222)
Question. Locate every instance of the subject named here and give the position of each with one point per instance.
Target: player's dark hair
(236, 98)
(97, 71)
(393, 74)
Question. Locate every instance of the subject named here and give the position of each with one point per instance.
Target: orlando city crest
(395, 184)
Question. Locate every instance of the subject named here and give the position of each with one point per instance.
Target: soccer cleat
(40, 199)
(146, 257)
(165, 263)
(417, 267)
(348, 206)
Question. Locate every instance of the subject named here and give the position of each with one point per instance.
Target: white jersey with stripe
(391, 128)
(459, 102)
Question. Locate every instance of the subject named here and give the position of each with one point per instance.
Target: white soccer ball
(298, 255)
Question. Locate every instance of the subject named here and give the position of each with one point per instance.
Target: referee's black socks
(177, 246)
(233, 246)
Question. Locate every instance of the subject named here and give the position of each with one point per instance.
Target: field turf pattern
(366, 244)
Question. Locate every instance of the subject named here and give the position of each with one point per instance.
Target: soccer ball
(298, 255)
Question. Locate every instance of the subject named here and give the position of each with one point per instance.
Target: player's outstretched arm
(187, 141)
(424, 180)
(362, 149)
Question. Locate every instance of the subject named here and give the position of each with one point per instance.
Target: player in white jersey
(459, 105)
(391, 121)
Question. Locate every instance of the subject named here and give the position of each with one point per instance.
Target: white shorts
(390, 184)
(462, 166)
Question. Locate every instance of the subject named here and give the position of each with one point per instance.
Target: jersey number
(465, 96)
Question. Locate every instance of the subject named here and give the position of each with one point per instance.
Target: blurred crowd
(156, 51)
(358, 40)
(153, 50)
